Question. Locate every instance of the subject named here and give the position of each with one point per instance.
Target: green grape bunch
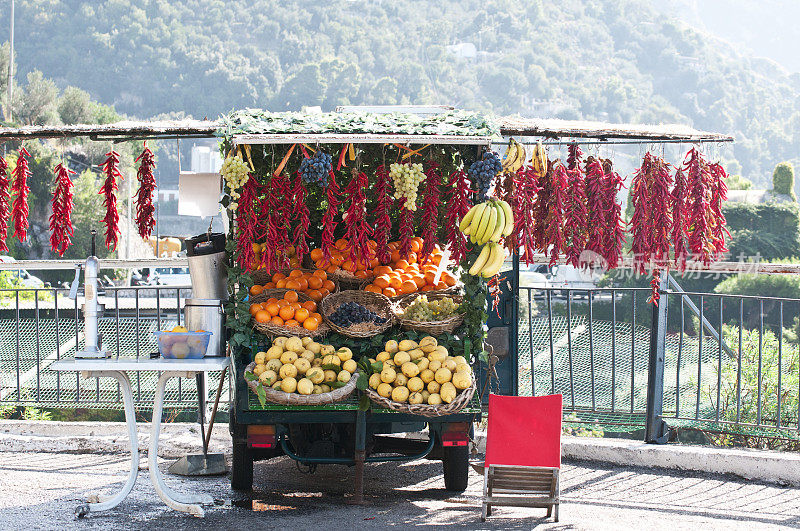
(235, 172)
(421, 309)
(406, 179)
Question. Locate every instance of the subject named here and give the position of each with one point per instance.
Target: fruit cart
(368, 425)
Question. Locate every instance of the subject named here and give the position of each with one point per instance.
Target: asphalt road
(41, 490)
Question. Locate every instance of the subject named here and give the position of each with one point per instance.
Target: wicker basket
(426, 410)
(261, 277)
(273, 330)
(433, 328)
(375, 302)
(277, 293)
(349, 281)
(295, 399)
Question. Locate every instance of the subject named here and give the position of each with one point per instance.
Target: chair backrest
(524, 431)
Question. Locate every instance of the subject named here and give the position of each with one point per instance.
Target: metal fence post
(656, 430)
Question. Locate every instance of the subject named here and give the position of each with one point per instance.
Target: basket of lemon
(300, 371)
(419, 378)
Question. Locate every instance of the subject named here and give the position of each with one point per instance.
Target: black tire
(241, 468)
(455, 462)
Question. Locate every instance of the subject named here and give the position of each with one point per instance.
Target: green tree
(75, 106)
(36, 103)
(783, 180)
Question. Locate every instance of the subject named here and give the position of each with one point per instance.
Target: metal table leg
(187, 503)
(360, 457)
(101, 502)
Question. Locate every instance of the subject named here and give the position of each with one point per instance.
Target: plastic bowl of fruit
(179, 345)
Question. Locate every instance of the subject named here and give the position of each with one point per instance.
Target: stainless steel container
(208, 315)
(209, 276)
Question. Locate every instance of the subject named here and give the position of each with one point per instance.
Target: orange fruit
(381, 281)
(295, 306)
(419, 280)
(336, 260)
(395, 255)
(311, 306)
(263, 316)
(269, 285)
(436, 259)
(441, 285)
(389, 292)
(303, 283)
(281, 283)
(328, 285)
(315, 295)
(401, 264)
(316, 254)
(255, 308)
(301, 314)
(448, 279)
(395, 283)
(272, 299)
(277, 321)
(291, 296)
(273, 308)
(348, 265)
(429, 277)
(321, 274)
(427, 287)
(286, 313)
(296, 273)
(256, 290)
(278, 276)
(324, 292)
(310, 324)
(291, 322)
(314, 282)
(412, 258)
(283, 302)
(316, 316)
(332, 269)
(294, 262)
(408, 286)
(361, 274)
(373, 288)
(416, 244)
(382, 270)
(292, 283)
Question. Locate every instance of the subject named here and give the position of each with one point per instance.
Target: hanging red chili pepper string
(329, 222)
(575, 215)
(553, 229)
(247, 225)
(274, 231)
(430, 210)
(358, 230)
(680, 220)
(61, 228)
(574, 155)
(526, 188)
(19, 210)
(700, 236)
(109, 193)
(145, 220)
(541, 208)
(615, 226)
(596, 207)
(458, 205)
(719, 193)
(300, 216)
(5, 203)
(383, 223)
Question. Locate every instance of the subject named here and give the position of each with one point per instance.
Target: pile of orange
(259, 248)
(287, 311)
(314, 284)
(406, 275)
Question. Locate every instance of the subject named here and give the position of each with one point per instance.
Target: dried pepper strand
(358, 230)
(61, 228)
(596, 207)
(329, 223)
(274, 230)
(383, 223)
(700, 234)
(505, 190)
(575, 216)
(526, 186)
(719, 193)
(574, 155)
(145, 220)
(109, 193)
(541, 209)
(651, 222)
(680, 221)
(5, 203)
(554, 232)
(247, 224)
(430, 210)
(19, 210)
(615, 226)
(458, 204)
(655, 284)
(300, 216)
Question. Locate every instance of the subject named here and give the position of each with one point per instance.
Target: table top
(142, 364)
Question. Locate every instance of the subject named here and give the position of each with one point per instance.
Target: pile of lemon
(420, 373)
(303, 366)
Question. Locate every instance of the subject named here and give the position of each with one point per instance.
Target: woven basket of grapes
(357, 313)
(432, 313)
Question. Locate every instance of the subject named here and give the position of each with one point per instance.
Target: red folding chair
(523, 453)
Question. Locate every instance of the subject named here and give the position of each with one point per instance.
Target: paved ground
(40, 491)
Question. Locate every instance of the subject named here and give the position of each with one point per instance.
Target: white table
(119, 369)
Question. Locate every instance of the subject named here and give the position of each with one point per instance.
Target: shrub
(783, 180)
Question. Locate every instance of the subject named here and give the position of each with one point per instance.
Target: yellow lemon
(302, 365)
(433, 387)
(415, 384)
(260, 358)
(288, 371)
(400, 394)
(294, 344)
(388, 375)
(268, 378)
(428, 344)
(410, 369)
(383, 356)
(448, 392)
(330, 377)
(391, 346)
(415, 398)
(462, 380)
(288, 357)
(274, 352)
(385, 390)
(427, 376)
(289, 385)
(443, 375)
(401, 357)
(258, 369)
(344, 376)
(350, 366)
(305, 387)
(434, 399)
(400, 379)
(406, 345)
(375, 380)
(274, 365)
(316, 375)
(344, 354)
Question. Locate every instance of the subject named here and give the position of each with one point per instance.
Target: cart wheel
(455, 462)
(241, 468)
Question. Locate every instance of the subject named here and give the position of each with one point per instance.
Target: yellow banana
(500, 224)
(542, 158)
(465, 221)
(521, 156)
(509, 218)
(480, 261)
(511, 154)
(489, 230)
(484, 222)
(495, 262)
(476, 218)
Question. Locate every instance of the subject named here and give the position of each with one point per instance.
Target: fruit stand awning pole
(333, 138)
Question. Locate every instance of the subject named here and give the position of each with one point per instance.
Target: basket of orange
(286, 311)
(313, 283)
(341, 267)
(408, 278)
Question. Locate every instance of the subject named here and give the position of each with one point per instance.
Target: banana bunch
(514, 158)
(490, 260)
(485, 224)
(539, 159)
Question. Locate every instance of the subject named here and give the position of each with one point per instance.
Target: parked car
(25, 279)
(169, 276)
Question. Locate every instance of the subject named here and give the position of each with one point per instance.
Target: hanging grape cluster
(315, 169)
(235, 172)
(483, 171)
(406, 179)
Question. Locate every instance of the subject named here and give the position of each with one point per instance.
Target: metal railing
(716, 362)
(39, 326)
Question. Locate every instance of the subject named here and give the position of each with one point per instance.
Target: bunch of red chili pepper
(145, 221)
(329, 218)
(526, 187)
(430, 210)
(109, 193)
(300, 216)
(358, 230)
(458, 205)
(5, 203)
(61, 229)
(247, 225)
(552, 230)
(19, 210)
(383, 223)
